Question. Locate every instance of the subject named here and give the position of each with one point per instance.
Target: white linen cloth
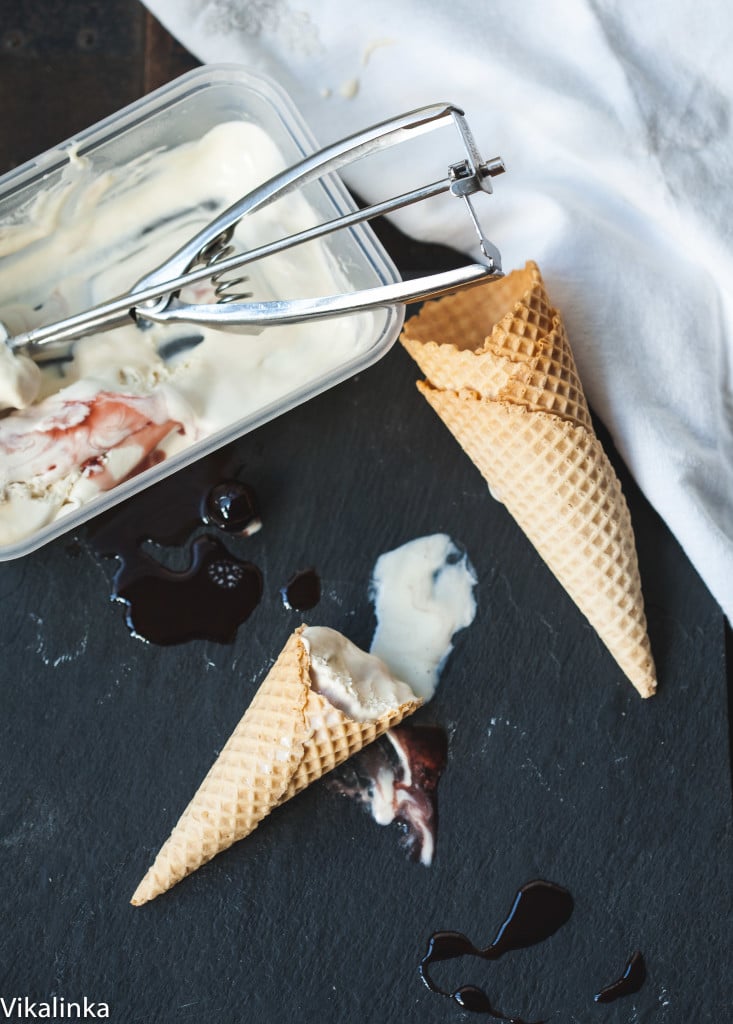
(614, 121)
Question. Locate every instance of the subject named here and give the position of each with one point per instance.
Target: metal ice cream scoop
(210, 255)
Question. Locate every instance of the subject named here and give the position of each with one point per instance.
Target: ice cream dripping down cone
(501, 375)
(322, 701)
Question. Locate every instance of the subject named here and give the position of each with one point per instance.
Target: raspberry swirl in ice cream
(71, 434)
(73, 446)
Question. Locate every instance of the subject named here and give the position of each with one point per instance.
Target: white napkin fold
(614, 122)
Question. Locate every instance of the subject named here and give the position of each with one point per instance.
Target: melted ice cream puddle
(423, 594)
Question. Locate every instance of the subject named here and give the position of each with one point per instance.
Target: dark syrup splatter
(217, 591)
(208, 601)
(302, 591)
(539, 910)
(630, 981)
(231, 505)
(396, 779)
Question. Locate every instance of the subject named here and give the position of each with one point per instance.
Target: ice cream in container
(176, 209)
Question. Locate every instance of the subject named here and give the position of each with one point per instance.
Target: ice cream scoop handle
(237, 316)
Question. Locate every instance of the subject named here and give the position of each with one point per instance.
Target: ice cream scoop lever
(210, 254)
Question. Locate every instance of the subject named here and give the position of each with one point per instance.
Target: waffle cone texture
(289, 736)
(501, 375)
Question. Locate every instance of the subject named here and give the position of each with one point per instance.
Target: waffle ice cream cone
(289, 736)
(501, 375)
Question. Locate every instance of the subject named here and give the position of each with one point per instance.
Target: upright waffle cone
(289, 736)
(513, 400)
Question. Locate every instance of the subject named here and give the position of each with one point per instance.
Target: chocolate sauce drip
(209, 601)
(631, 980)
(302, 591)
(539, 909)
(447, 946)
(423, 753)
(401, 770)
(231, 505)
(218, 591)
(469, 997)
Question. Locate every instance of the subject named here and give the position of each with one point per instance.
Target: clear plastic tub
(177, 114)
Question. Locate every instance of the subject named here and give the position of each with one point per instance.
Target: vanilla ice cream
(357, 683)
(20, 378)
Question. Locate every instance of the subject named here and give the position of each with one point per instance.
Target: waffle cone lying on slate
(501, 375)
(289, 736)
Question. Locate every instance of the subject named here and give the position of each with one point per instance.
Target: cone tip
(647, 687)
(143, 893)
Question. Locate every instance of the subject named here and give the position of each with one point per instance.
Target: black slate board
(557, 769)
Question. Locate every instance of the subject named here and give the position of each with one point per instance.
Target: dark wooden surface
(556, 769)
(67, 65)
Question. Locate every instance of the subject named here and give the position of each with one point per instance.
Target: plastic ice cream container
(84, 221)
